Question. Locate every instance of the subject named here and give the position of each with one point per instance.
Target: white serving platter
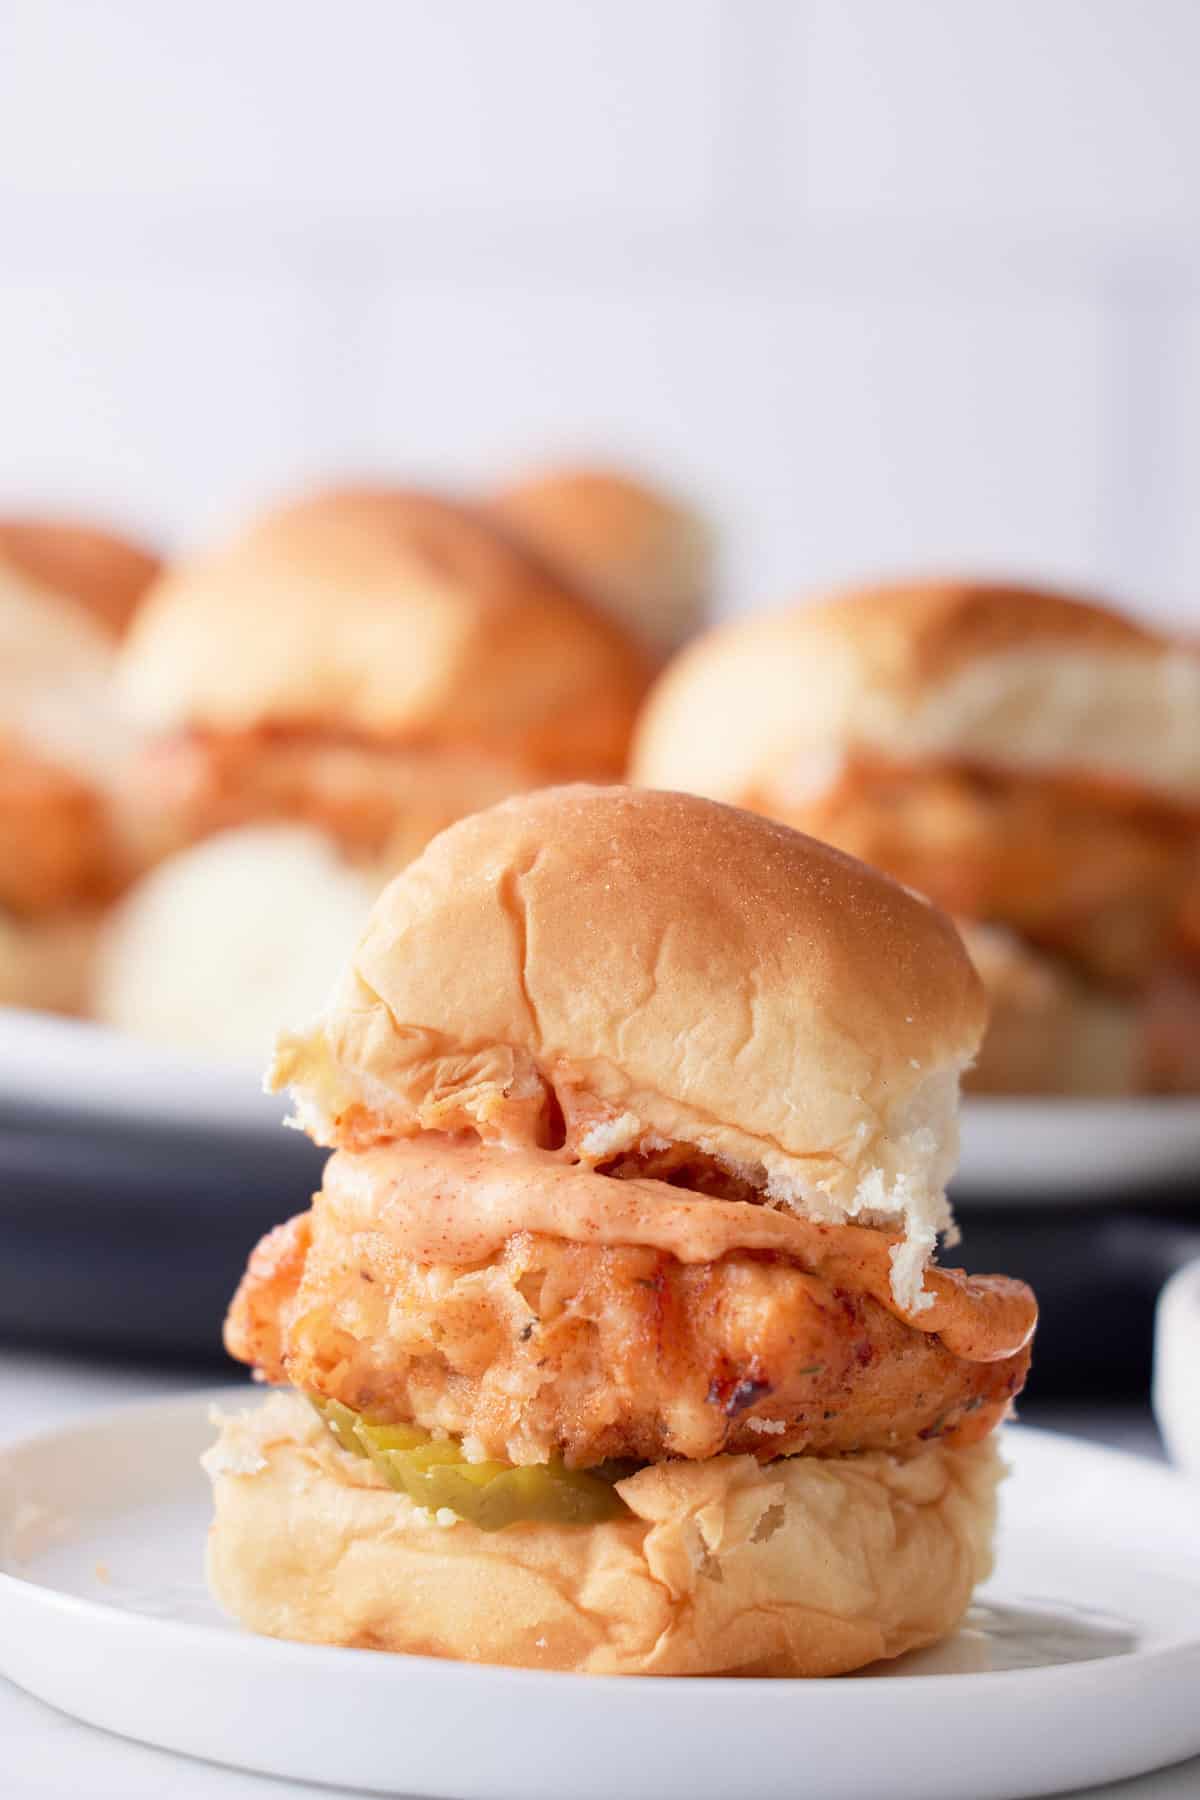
(1078, 1151)
(72, 1065)
(1080, 1664)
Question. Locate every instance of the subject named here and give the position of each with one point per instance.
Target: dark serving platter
(132, 1240)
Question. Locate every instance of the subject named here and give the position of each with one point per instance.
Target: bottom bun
(803, 1567)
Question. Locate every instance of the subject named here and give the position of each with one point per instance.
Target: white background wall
(887, 282)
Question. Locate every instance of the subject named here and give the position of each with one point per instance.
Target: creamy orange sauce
(442, 1201)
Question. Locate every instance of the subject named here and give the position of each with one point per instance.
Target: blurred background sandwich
(321, 695)
(644, 555)
(1030, 761)
(66, 592)
(102, 572)
(792, 318)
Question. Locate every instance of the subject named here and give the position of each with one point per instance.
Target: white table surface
(43, 1753)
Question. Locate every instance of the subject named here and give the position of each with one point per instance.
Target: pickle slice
(434, 1473)
(493, 1495)
(387, 1437)
(341, 1422)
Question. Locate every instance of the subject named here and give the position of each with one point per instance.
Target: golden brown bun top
(704, 975)
(991, 674)
(105, 573)
(645, 555)
(395, 616)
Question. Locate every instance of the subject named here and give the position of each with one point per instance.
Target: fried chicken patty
(1085, 868)
(594, 1352)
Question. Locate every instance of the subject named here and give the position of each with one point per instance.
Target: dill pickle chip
(388, 1437)
(435, 1474)
(493, 1495)
(435, 1451)
(547, 1494)
(341, 1422)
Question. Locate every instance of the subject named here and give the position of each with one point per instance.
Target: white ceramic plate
(1076, 1150)
(1081, 1663)
(1012, 1150)
(91, 1071)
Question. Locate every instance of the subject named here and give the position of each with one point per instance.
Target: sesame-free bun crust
(396, 616)
(104, 573)
(806, 1567)
(991, 675)
(645, 556)
(705, 975)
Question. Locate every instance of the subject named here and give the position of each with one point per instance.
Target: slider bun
(104, 573)
(211, 949)
(707, 975)
(1002, 676)
(396, 616)
(643, 554)
(805, 1567)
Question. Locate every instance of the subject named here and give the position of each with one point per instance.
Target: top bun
(702, 975)
(394, 616)
(105, 574)
(997, 676)
(643, 554)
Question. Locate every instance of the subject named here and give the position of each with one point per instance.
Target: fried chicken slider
(105, 573)
(1029, 760)
(351, 673)
(346, 652)
(64, 853)
(614, 1334)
